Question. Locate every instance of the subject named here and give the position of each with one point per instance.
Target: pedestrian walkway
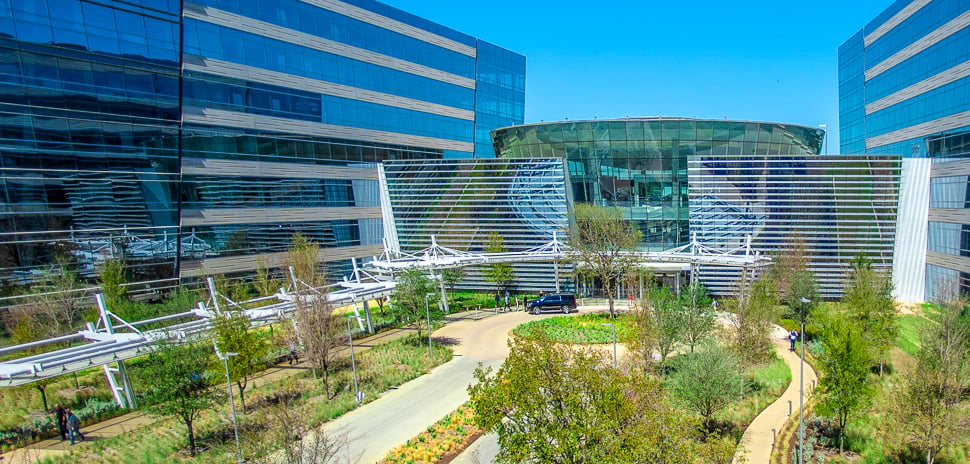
(122, 424)
(759, 438)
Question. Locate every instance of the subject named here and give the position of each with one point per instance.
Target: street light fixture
(428, 311)
(614, 341)
(358, 394)
(801, 390)
(235, 426)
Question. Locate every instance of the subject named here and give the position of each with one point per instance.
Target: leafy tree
(233, 335)
(641, 339)
(602, 245)
(452, 276)
(559, 404)
(264, 282)
(176, 380)
(410, 297)
(843, 387)
(869, 296)
(697, 314)
(316, 333)
(752, 322)
(928, 402)
(665, 311)
(707, 381)
(792, 275)
(500, 274)
(111, 277)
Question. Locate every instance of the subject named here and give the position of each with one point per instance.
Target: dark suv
(564, 302)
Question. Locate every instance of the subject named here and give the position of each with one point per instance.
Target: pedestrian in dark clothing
(61, 419)
(497, 299)
(792, 337)
(74, 426)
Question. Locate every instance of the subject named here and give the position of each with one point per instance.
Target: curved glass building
(640, 164)
(724, 180)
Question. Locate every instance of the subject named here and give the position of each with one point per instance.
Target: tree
(233, 335)
(291, 430)
(50, 309)
(664, 309)
(602, 244)
(452, 276)
(176, 380)
(316, 333)
(559, 404)
(707, 381)
(869, 296)
(410, 297)
(264, 282)
(697, 314)
(791, 273)
(752, 321)
(927, 404)
(843, 386)
(500, 274)
(111, 277)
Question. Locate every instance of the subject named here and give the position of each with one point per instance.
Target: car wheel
(536, 311)
(565, 309)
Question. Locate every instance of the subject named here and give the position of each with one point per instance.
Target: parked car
(564, 302)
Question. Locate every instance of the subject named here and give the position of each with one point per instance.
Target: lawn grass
(910, 327)
(765, 383)
(581, 329)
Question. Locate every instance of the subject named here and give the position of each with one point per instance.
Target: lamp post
(225, 359)
(825, 127)
(613, 327)
(801, 391)
(428, 311)
(353, 363)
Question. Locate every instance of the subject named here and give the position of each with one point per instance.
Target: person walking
(61, 419)
(792, 337)
(74, 426)
(507, 307)
(497, 299)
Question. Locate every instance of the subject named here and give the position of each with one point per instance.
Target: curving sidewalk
(758, 439)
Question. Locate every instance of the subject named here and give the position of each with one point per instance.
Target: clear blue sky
(745, 59)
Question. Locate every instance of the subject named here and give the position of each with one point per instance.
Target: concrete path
(377, 427)
(758, 439)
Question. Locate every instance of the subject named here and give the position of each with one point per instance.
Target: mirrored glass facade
(460, 202)
(904, 88)
(197, 137)
(839, 207)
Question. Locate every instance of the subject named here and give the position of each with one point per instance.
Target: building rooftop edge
(656, 118)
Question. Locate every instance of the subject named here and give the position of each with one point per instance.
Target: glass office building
(904, 89)
(723, 180)
(196, 138)
(640, 165)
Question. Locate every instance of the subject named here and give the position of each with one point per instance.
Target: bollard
(789, 408)
(774, 437)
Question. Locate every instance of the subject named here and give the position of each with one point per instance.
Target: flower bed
(440, 442)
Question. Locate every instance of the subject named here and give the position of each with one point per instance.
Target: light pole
(614, 341)
(353, 363)
(225, 359)
(825, 127)
(428, 311)
(801, 391)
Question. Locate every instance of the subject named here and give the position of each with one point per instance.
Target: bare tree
(602, 245)
(291, 433)
(928, 404)
(316, 333)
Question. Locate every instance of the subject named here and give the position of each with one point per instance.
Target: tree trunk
(242, 395)
(188, 427)
(43, 395)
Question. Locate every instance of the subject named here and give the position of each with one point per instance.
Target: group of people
(498, 301)
(67, 423)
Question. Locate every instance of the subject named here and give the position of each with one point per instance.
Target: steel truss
(113, 340)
